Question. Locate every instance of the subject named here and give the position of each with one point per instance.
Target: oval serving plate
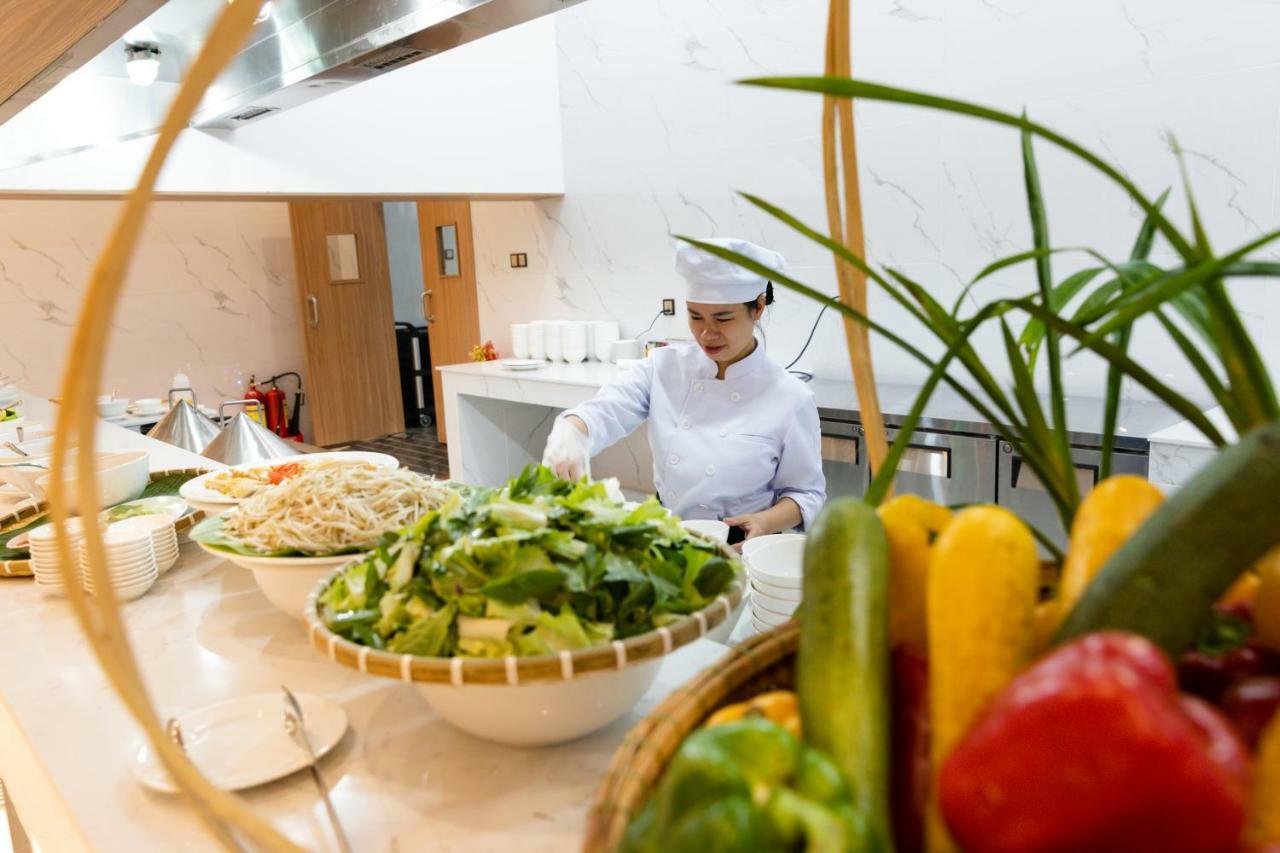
(195, 490)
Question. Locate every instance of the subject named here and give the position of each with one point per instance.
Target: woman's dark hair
(768, 298)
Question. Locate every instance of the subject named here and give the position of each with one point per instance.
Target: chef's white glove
(568, 451)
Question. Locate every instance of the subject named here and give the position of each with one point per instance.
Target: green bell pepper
(748, 786)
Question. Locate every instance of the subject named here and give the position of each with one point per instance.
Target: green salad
(536, 567)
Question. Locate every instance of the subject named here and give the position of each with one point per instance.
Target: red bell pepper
(1093, 748)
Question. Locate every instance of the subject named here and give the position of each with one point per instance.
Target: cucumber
(842, 668)
(1163, 582)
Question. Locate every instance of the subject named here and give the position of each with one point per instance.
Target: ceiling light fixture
(142, 62)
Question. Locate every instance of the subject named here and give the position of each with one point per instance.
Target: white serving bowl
(709, 528)
(544, 712)
(285, 581)
(121, 477)
(534, 701)
(112, 407)
(786, 593)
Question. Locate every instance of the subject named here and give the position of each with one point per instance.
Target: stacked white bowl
(603, 334)
(573, 341)
(164, 536)
(552, 332)
(131, 561)
(45, 564)
(537, 335)
(775, 565)
(520, 340)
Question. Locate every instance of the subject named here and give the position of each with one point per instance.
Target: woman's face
(726, 333)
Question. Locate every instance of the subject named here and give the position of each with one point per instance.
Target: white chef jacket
(721, 448)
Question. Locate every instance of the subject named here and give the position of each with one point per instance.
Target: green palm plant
(1191, 295)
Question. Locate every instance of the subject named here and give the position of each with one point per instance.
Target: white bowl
(112, 407)
(779, 563)
(542, 713)
(752, 545)
(285, 581)
(121, 477)
(772, 620)
(780, 606)
(786, 593)
(148, 406)
(710, 528)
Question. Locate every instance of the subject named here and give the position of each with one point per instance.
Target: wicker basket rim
(21, 568)
(513, 670)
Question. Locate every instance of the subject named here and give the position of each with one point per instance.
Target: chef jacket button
(724, 433)
(711, 470)
(697, 387)
(674, 459)
(684, 424)
(735, 396)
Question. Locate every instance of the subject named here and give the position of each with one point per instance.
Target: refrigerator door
(1020, 490)
(844, 460)
(947, 468)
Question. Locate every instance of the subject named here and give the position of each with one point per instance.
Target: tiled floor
(418, 450)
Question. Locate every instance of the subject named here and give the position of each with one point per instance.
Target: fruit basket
(763, 663)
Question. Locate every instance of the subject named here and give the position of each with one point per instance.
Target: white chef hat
(715, 281)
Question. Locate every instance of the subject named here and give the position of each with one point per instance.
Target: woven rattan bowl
(531, 701)
(764, 662)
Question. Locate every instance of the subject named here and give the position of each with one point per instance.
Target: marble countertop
(946, 410)
(1186, 434)
(401, 779)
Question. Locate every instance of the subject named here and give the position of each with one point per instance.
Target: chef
(734, 436)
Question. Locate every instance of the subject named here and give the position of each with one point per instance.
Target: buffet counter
(401, 778)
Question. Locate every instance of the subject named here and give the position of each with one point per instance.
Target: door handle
(426, 307)
(315, 311)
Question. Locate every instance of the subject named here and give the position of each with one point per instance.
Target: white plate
(241, 742)
(246, 562)
(194, 489)
(522, 364)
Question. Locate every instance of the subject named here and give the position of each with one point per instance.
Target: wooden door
(340, 251)
(449, 288)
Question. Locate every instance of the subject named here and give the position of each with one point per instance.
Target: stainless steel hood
(299, 50)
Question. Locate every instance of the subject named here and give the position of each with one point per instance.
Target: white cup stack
(520, 340)
(553, 331)
(537, 334)
(775, 565)
(45, 565)
(164, 536)
(573, 343)
(131, 561)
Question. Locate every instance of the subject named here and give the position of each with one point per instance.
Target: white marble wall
(657, 138)
(211, 286)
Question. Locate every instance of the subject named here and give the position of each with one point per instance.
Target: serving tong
(294, 725)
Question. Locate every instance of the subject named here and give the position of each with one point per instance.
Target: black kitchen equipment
(416, 389)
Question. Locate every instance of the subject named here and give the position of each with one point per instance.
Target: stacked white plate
(164, 536)
(45, 565)
(775, 565)
(131, 561)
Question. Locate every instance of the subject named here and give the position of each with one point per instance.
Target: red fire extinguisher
(257, 413)
(275, 411)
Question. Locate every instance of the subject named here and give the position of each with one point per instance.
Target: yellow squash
(1263, 828)
(1266, 602)
(981, 600)
(911, 524)
(777, 706)
(1107, 517)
